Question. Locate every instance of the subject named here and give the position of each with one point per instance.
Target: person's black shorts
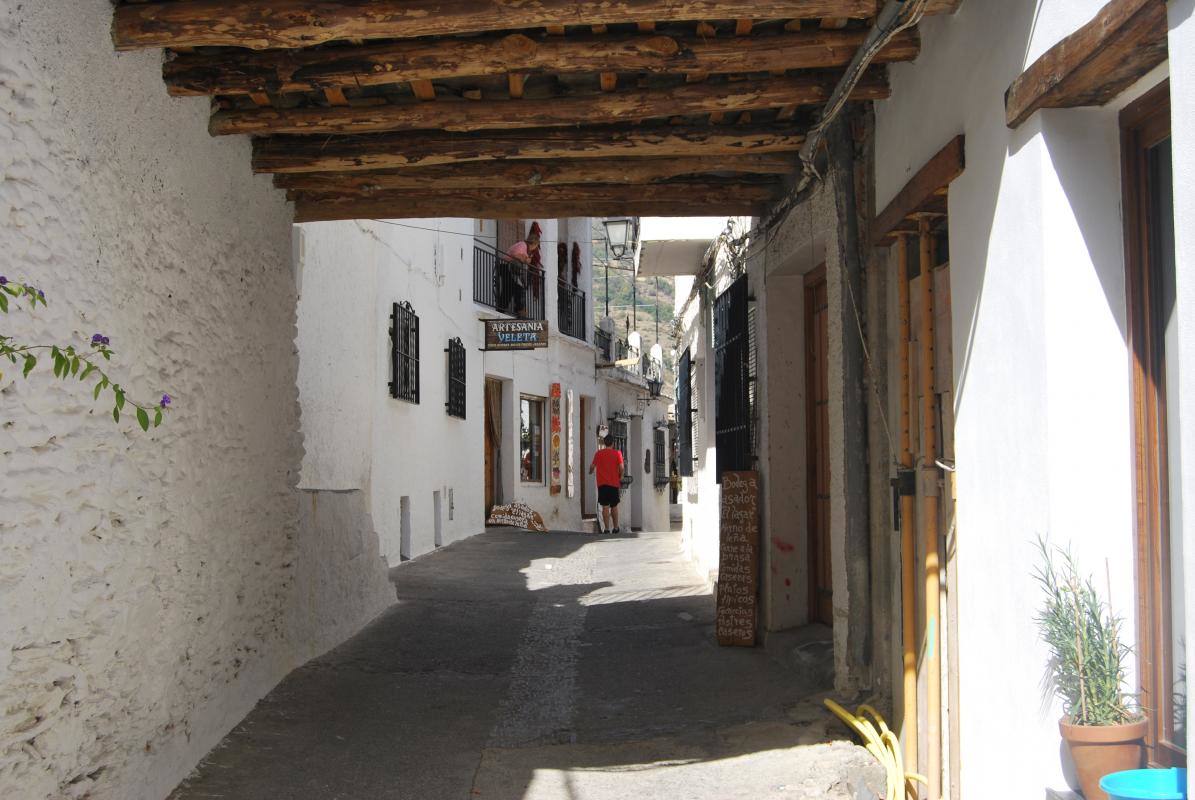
(608, 496)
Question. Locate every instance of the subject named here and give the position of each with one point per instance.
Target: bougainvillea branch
(71, 362)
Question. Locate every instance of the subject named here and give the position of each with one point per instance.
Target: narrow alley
(522, 666)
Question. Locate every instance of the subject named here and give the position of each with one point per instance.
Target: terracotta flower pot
(1098, 750)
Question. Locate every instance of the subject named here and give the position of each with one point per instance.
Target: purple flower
(3, 281)
(165, 400)
(97, 338)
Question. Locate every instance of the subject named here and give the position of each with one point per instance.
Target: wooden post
(908, 550)
(929, 518)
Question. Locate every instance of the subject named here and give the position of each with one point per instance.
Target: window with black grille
(404, 353)
(456, 378)
(684, 414)
(732, 380)
(618, 429)
(661, 457)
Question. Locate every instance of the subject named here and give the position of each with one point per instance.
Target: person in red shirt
(608, 464)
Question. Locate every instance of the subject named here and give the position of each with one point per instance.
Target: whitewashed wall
(1041, 366)
(153, 586)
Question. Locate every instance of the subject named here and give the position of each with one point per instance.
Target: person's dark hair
(609, 440)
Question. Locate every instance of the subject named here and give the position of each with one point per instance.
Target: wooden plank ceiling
(515, 108)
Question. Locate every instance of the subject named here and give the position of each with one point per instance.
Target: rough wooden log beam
(504, 114)
(392, 150)
(260, 24)
(709, 190)
(410, 207)
(1125, 40)
(242, 72)
(509, 174)
(922, 191)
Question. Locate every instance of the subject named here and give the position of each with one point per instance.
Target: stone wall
(153, 586)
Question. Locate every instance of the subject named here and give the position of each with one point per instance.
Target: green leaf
(116, 415)
(30, 363)
(3, 304)
(104, 382)
(99, 387)
(143, 419)
(87, 371)
(58, 362)
(119, 399)
(74, 365)
(157, 417)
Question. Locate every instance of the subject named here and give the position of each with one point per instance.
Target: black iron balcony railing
(507, 286)
(604, 344)
(653, 372)
(570, 309)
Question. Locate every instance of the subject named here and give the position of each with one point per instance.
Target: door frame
(1144, 124)
(818, 533)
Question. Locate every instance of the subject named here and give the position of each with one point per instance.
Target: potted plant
(1103, 729)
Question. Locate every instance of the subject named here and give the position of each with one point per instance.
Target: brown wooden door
(817, 438)
(1153, 312)
(493, 400)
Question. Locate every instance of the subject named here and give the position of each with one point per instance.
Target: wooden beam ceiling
(390, 150)
(1124, 41)
(516, 108)
(230, 72)
(261, 24)
(597, 108)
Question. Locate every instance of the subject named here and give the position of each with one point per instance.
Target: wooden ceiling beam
(608, 106)
(423, 148)
(1125, 40)
(923, 190)
(706, 190)
(262, 24)
(530, 173)
(414, 207)
(242, 72)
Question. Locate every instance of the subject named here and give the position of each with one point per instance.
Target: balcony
(570, 309)
(507, 286)
(653, 373)
(604, 344)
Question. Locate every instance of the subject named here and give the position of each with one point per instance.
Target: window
(732, 380)
(531, 439)
(618, 429)
(684, 415)
(456, 378)
(404, 353)
(661, 458)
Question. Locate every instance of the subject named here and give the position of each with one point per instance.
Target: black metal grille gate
(456, 378)
(404, 353)
(732, 380)
(684, 414)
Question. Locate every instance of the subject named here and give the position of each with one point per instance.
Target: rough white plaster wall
(1041, 378)
(1182, 100)
(152, 586)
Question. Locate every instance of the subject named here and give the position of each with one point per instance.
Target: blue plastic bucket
(1146, 784)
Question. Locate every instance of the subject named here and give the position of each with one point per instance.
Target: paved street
(519, 666)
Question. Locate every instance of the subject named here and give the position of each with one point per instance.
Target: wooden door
(493, 401)
(582, 472)
(817, 438)
(1153, 314)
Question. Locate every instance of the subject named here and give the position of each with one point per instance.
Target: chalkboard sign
(738, 560)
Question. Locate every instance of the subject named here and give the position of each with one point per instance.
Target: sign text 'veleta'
(515, 334)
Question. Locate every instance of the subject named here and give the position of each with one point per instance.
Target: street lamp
(618, 234)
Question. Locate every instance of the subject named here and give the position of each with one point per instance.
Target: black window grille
(684, 414)
(456, 378)
(732, 380)
(618, 429)
(661, 458)
(404, 353)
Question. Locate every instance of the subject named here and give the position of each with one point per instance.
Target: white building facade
(530, 417)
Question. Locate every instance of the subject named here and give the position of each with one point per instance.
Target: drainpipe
(929, 519)
(908, 551)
